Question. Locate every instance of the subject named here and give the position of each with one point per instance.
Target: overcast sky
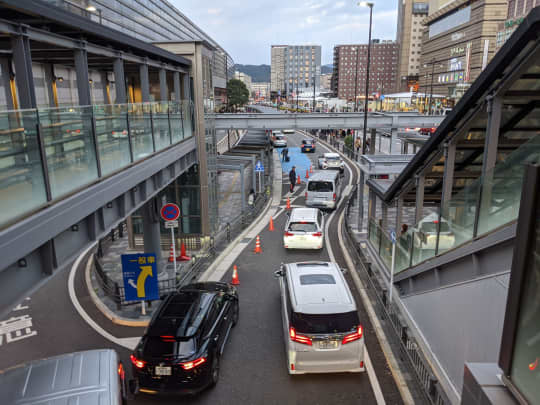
(246, 29)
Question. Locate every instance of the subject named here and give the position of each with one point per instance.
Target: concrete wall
(462, 323)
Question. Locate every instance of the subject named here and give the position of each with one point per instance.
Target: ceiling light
(90, 8)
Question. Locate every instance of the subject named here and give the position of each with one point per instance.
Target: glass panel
(160, 116)
(386, 250)
(373, 234)
(175, 115)
(112, 133)
(22, 187)
(403, 251)
(140, 130)
(187, 113)
(501, 191)
(69, 148)
(424, 238)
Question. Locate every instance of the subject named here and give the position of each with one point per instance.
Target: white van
(321, 327)
(323, 189)
(304, 229)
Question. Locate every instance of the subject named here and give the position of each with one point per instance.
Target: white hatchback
(304, 229)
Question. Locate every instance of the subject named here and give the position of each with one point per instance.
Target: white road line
(128, 343)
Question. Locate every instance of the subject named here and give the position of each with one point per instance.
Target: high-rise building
(295, 69)
(458, 41)
(517, 10)
(350, 63)
(411, 13)
(244, 78)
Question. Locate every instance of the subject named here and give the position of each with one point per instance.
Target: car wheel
(214, 373)
(236, 312)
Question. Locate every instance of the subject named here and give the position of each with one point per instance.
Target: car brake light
(121, 372)
(352, 336)
(299, 338)
(289, 233)
(334, 196)
(136, 362)
(317, 234)
(192, 364)
(436, 221)
(306, 195)
(168, 338)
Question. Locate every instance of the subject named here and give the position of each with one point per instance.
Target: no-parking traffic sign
(170, 212)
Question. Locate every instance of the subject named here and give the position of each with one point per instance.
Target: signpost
(259, 169)
(170, 213)
(391, 287)
(139, 272)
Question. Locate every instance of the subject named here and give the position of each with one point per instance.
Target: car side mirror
(278, 273)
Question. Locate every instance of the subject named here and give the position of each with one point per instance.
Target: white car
(425, 234)
(331, 161)
(321, 326)
(304, 229)
(288, 131)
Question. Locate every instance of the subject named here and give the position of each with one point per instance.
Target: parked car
(308, 145)
(321, 327)
(89, 377)
(331, 161)
(304, 229)
(323, 190)
(181, 349)
(425, 234)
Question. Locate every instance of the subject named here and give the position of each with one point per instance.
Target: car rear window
(302, 227)
(321, 186)
(280, 137)
(311, 279)
(163, 346)
(333, 158)
(325, 323)
(307, 142)
(431, 227)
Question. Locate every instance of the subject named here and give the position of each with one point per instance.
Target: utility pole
(313, 92)
(370, 5)
(431, 88)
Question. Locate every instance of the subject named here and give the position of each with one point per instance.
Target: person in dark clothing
(284, 154)
(292, 178)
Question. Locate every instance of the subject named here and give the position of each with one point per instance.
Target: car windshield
(431, 227)
(325, 323)
(163, 346)
(302, 227)
(321, 186)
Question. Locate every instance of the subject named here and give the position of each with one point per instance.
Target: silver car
(321, 327)
(331, 161)
(323, 190)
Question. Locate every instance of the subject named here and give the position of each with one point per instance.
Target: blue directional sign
(393, 236)
(259, 167)
(140, 277)
(382, 97)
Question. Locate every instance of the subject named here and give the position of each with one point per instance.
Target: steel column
(5, 68)
(176, 84)
(145, 82)
(372, 205)
(186, 94)
(448, 177)
(384, 209)
(163, 89)
(151, 229)
(119, 81)
(81, 70)
(373, 141)
(24, 77)
(420, 182)
(399, 215)
(361, 201)
(50, 84)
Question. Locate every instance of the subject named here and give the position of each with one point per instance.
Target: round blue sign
(170, 212)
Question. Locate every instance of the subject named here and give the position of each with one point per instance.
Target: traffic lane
(58, 326)
(378, 359)
(253, 368)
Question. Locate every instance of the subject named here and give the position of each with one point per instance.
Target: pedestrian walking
(284, 154)
(292, 178)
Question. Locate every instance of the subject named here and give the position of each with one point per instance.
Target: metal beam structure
(322, 120)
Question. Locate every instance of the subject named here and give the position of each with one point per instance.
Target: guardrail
(396, 330)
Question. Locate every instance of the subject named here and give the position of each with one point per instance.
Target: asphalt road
(253, 369)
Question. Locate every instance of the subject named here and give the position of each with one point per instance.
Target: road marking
(128, 343)
(16, 328)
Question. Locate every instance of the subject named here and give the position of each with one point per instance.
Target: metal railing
(396, 329)
(48, 154)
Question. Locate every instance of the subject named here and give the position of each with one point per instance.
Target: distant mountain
(261, 73)
(327, 68)
(258, 73)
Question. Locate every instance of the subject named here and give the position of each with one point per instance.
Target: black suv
(181, 348)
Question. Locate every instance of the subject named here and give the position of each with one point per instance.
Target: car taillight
(306, 195)
(352, 336)
(168, 338)
(289, 234)
(295, 337)
(317, 234)
(137, 362)
(121, 372)
(192, 364)
(334, 196)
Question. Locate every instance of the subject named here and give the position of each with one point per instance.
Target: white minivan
(304, 229)
(323, 190)
(321, 327)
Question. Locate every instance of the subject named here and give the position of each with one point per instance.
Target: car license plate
(328, 344)
(307, 149)
(162, 370)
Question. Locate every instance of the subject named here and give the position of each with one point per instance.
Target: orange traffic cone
(271, 226)
(171, 254)
(310, 169)
(288, 203)
(307, 174)
(299, 180)
(258, 245)
(183, 256)
(235, 280)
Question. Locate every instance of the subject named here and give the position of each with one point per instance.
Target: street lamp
(370, 5)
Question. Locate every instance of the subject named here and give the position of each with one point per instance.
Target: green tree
(348, 141)
(237, 94)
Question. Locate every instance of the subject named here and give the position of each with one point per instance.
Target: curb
(104, 309)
